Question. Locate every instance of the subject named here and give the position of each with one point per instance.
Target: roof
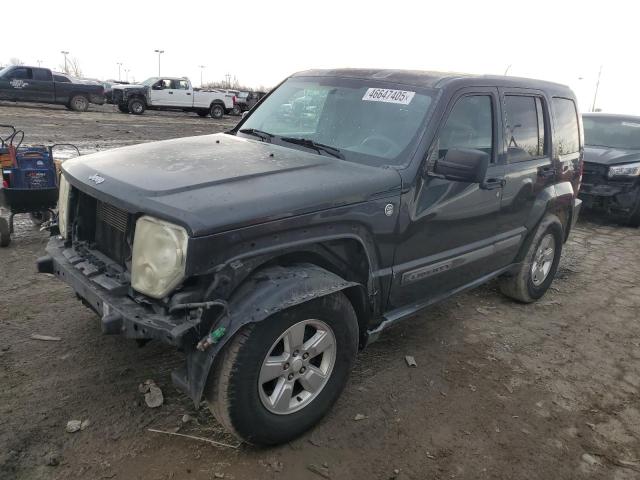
(611, 115)
(433, 79)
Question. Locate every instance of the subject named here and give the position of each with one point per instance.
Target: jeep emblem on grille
(97, 179)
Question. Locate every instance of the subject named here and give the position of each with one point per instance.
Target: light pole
(126, 72)
(159, 52)
(595, 95)
(119, 67)
(39, 62)
(202, 67)
(65, 53)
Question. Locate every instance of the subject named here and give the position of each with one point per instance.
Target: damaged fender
(264, 293)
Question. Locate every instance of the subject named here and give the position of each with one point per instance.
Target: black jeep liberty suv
(345, 201)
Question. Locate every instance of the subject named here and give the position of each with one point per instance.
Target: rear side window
(61, 79)
(567, 133)
(182, 85)
(42, 74)
(469, 125)
(525, 127)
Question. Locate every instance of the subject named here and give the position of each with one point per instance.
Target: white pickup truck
(167, 93)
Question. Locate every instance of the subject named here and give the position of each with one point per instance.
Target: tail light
(234, 100)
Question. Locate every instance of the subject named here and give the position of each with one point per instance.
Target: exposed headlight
(159, 254)
(626, 170)
(63, 207)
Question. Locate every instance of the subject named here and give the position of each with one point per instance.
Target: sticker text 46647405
(402, 97)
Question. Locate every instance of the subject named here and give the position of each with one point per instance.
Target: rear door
(42, 85)
(182, 93)
(529, 168)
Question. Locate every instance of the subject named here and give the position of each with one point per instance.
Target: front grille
(594, 173)
(112, 226)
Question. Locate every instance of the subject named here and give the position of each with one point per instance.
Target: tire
(202, 113)
(123, 108)
(136, 106)
(79, 103)
(236, 110)
(217, 111)
(634, 219)
(38, 218)
(5, 234)
(539, 265)
(242, 409)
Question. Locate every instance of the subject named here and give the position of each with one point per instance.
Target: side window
(469, 125)
(525, 127)
(567, 134)
(42, 75)
(182, 85)
(21, 73)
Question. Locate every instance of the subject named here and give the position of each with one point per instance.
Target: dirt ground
(501, 390)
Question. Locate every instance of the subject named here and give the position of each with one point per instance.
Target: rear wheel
(277, 378)
(79, 103)
(217, 111)
(5, 234)
(538, 268)
(123, 108)
(236, 110)
(137, 106)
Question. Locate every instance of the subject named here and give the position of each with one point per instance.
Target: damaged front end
(618, 196)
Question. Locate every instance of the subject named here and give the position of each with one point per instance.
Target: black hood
(218, 182)
(610, 156)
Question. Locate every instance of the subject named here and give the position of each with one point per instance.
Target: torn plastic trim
(263, 294)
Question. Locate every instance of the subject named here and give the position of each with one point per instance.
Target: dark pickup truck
(33, 84)
(344, 202)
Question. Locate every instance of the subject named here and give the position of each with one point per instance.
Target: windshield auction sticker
(402, 97)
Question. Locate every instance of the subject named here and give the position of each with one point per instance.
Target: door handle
(170, 93)
(493, 183)
(188, 93)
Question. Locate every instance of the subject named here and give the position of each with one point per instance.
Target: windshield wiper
(319, 147)
(257, 133)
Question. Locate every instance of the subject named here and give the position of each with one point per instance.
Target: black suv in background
(611, 178)
(346, 201)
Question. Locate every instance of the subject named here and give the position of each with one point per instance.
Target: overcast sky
(262, 42)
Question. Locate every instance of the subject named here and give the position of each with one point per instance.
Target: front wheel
(217, 111)
(539, 265)
(79, 103)
(277, 378)
(5, 234)
(136, 106)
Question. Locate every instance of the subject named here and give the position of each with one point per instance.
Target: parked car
(611, 177)
(165, 93)
(279, 248)
(246, 101)
(21, 83)
(108, 88)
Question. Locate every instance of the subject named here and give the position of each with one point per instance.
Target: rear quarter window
(567, 131)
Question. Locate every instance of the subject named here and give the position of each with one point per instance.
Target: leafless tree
(72, 67)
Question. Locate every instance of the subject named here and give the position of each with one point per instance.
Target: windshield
(150, 81)
(4, 70)
(368, 121)
(612, 132)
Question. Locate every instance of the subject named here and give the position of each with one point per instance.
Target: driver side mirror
(157, 86)
(463, 165)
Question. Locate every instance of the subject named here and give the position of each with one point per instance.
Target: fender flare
(263, 294)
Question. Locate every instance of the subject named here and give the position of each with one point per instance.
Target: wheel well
(137, 96)
(564, 217)
(346, 258)
(217, 102)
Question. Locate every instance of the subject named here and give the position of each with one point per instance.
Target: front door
(450, 234)
(162, 93)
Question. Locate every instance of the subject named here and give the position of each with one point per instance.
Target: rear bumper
(118, 312)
